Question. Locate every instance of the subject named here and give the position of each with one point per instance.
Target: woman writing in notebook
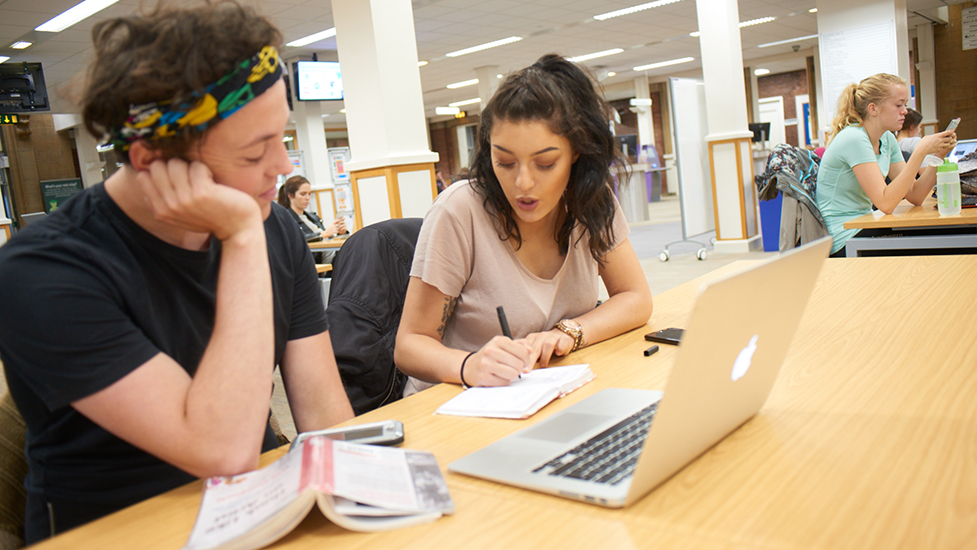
(863, 151)
(532, 230)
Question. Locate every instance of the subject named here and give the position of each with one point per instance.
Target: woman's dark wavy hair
(167, 54)
(289, 188)
(559, 93)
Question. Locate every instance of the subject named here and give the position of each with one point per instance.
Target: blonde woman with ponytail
(863, 151)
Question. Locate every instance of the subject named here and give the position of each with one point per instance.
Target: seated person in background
(295, 194)
(909, 136)
(140, 323)
(531, 231)
(863, 151)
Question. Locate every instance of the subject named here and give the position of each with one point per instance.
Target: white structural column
(85, 146)
(646, 121)
(391, 165)
(488, 82)
(926, 87)
(857, 40)
(311, 137)
(729, 138)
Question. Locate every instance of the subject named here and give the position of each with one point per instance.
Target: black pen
(504, 322)
(651, 351)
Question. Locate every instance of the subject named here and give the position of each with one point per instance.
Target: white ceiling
(562, 26)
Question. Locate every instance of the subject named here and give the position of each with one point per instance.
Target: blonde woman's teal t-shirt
(839, 195)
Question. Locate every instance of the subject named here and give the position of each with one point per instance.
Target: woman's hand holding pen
(499, 362)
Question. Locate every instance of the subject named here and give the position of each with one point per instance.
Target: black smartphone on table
(666, 336)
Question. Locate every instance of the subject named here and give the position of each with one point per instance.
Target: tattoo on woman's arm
(449, 308)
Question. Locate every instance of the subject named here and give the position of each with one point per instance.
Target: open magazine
(358, 487)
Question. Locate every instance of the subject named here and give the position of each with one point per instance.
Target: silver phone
(386, 432)
(953, 124)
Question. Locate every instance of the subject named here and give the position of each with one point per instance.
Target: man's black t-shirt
(86, 297)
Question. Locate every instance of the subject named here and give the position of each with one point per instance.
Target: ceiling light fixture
(328, 33)
(342, 110)
(595, 55)
(664, 64)
(485, 46)
(447, 111)
(421, 63)
(471, 101)
(21, 45)
(788, 41)
(695, 34)
(75, 14)
(611, 73)
(759, 21)
(3, 58)
(462, 84)
(812, 10)
(761, 72)
(634, 9)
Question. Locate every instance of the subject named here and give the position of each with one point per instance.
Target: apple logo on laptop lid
(744, 359)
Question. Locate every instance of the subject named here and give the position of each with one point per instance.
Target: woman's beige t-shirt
(459, 252)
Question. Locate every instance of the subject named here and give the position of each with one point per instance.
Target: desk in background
(329, 244)
(867, 440)
(910, 220)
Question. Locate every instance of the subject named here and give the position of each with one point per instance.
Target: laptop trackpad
(565, 426)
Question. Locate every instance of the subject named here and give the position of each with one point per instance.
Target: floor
(648, 239)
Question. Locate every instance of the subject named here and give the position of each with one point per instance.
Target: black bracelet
(461, 374)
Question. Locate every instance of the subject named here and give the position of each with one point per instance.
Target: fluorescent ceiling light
(611, 73)
(640, 102)
(634, 9)
(485, 46)
(498, 76)
(447, 111)
(761, 72)
(664, 64)
(342, 110)
(812, 10)
(287, 138)
(21, 45)
(695, 34)
(328, 33)
(466, 102)
(74, 15)
(759, 21)
(595, 55)
(788, 41)
(462, 84)
(421, 63)
(3, 58)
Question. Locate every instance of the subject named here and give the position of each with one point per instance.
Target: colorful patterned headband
(205, 107)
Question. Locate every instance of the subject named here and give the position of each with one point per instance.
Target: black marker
(651, 351)
(504, 322)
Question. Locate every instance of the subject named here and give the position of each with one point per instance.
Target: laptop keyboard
(608, 457)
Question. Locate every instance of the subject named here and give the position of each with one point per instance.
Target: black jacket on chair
(366, 297)
(310, 235)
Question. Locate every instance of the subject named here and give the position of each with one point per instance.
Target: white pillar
(729, 138)
(926, 87)
(88, 159)
(311, 137)
(381, 83)
(488, 82)
(391, 166)
(646, 121)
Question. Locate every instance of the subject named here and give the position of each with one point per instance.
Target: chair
(794, 173)
(369, 281)
(13, 470)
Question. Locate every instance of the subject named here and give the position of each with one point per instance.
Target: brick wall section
(788, 86)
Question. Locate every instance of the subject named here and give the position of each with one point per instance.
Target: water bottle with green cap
(948, 188)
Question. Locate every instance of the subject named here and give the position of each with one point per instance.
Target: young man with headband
(140, 324)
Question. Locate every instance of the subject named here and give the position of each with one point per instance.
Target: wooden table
(329, 244)
(910, 220)
(868, 440)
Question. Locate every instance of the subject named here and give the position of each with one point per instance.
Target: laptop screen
(964, 147)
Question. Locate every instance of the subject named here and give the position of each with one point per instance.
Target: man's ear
(141, 155)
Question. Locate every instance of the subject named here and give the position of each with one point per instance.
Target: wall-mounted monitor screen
(22, 88)
(318, 81)
(761, 131)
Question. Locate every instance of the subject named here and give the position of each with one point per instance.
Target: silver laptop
(33, 217)
(727, 363)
